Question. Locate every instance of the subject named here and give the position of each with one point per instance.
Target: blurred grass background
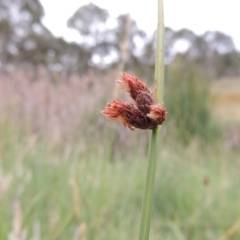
(67, 173)
(57, 181)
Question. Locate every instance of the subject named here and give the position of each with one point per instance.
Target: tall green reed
(189, 105)
(121, 67)
(153, 150)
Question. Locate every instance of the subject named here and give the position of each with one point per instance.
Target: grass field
(57, 181)
(225, 95)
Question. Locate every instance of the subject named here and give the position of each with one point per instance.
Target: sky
(197, 15)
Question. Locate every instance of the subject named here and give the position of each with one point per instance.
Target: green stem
(149, 187)
(153, 150)
(159, 62)
(124, 49)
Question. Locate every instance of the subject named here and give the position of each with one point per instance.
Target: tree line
(26, 42)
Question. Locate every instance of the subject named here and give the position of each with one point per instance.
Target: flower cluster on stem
(148, 113)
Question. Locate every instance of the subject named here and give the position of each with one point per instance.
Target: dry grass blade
(231, 231)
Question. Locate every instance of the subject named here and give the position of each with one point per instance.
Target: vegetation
(62, 194)
(57, 178)
(153, 151)
(28, 44)
(191, 115)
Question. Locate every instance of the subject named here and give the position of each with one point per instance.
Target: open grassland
(72, 193)
(57, 180)
(225, 101)
(225, 95)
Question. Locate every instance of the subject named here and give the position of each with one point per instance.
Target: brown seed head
(157, 113)
(122, 112)
(134, 86)
(147, 116)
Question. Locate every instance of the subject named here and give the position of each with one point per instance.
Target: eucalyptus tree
(91, 23)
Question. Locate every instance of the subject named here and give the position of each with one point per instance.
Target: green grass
(108, 196)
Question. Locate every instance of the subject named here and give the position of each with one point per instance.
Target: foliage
(26, 42)
(55, 171)
(60, 195)
(187, 102)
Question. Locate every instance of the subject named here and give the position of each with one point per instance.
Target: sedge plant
(149, 114)
(153, 149)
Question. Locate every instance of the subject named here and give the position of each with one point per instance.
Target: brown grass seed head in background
(148, 113)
